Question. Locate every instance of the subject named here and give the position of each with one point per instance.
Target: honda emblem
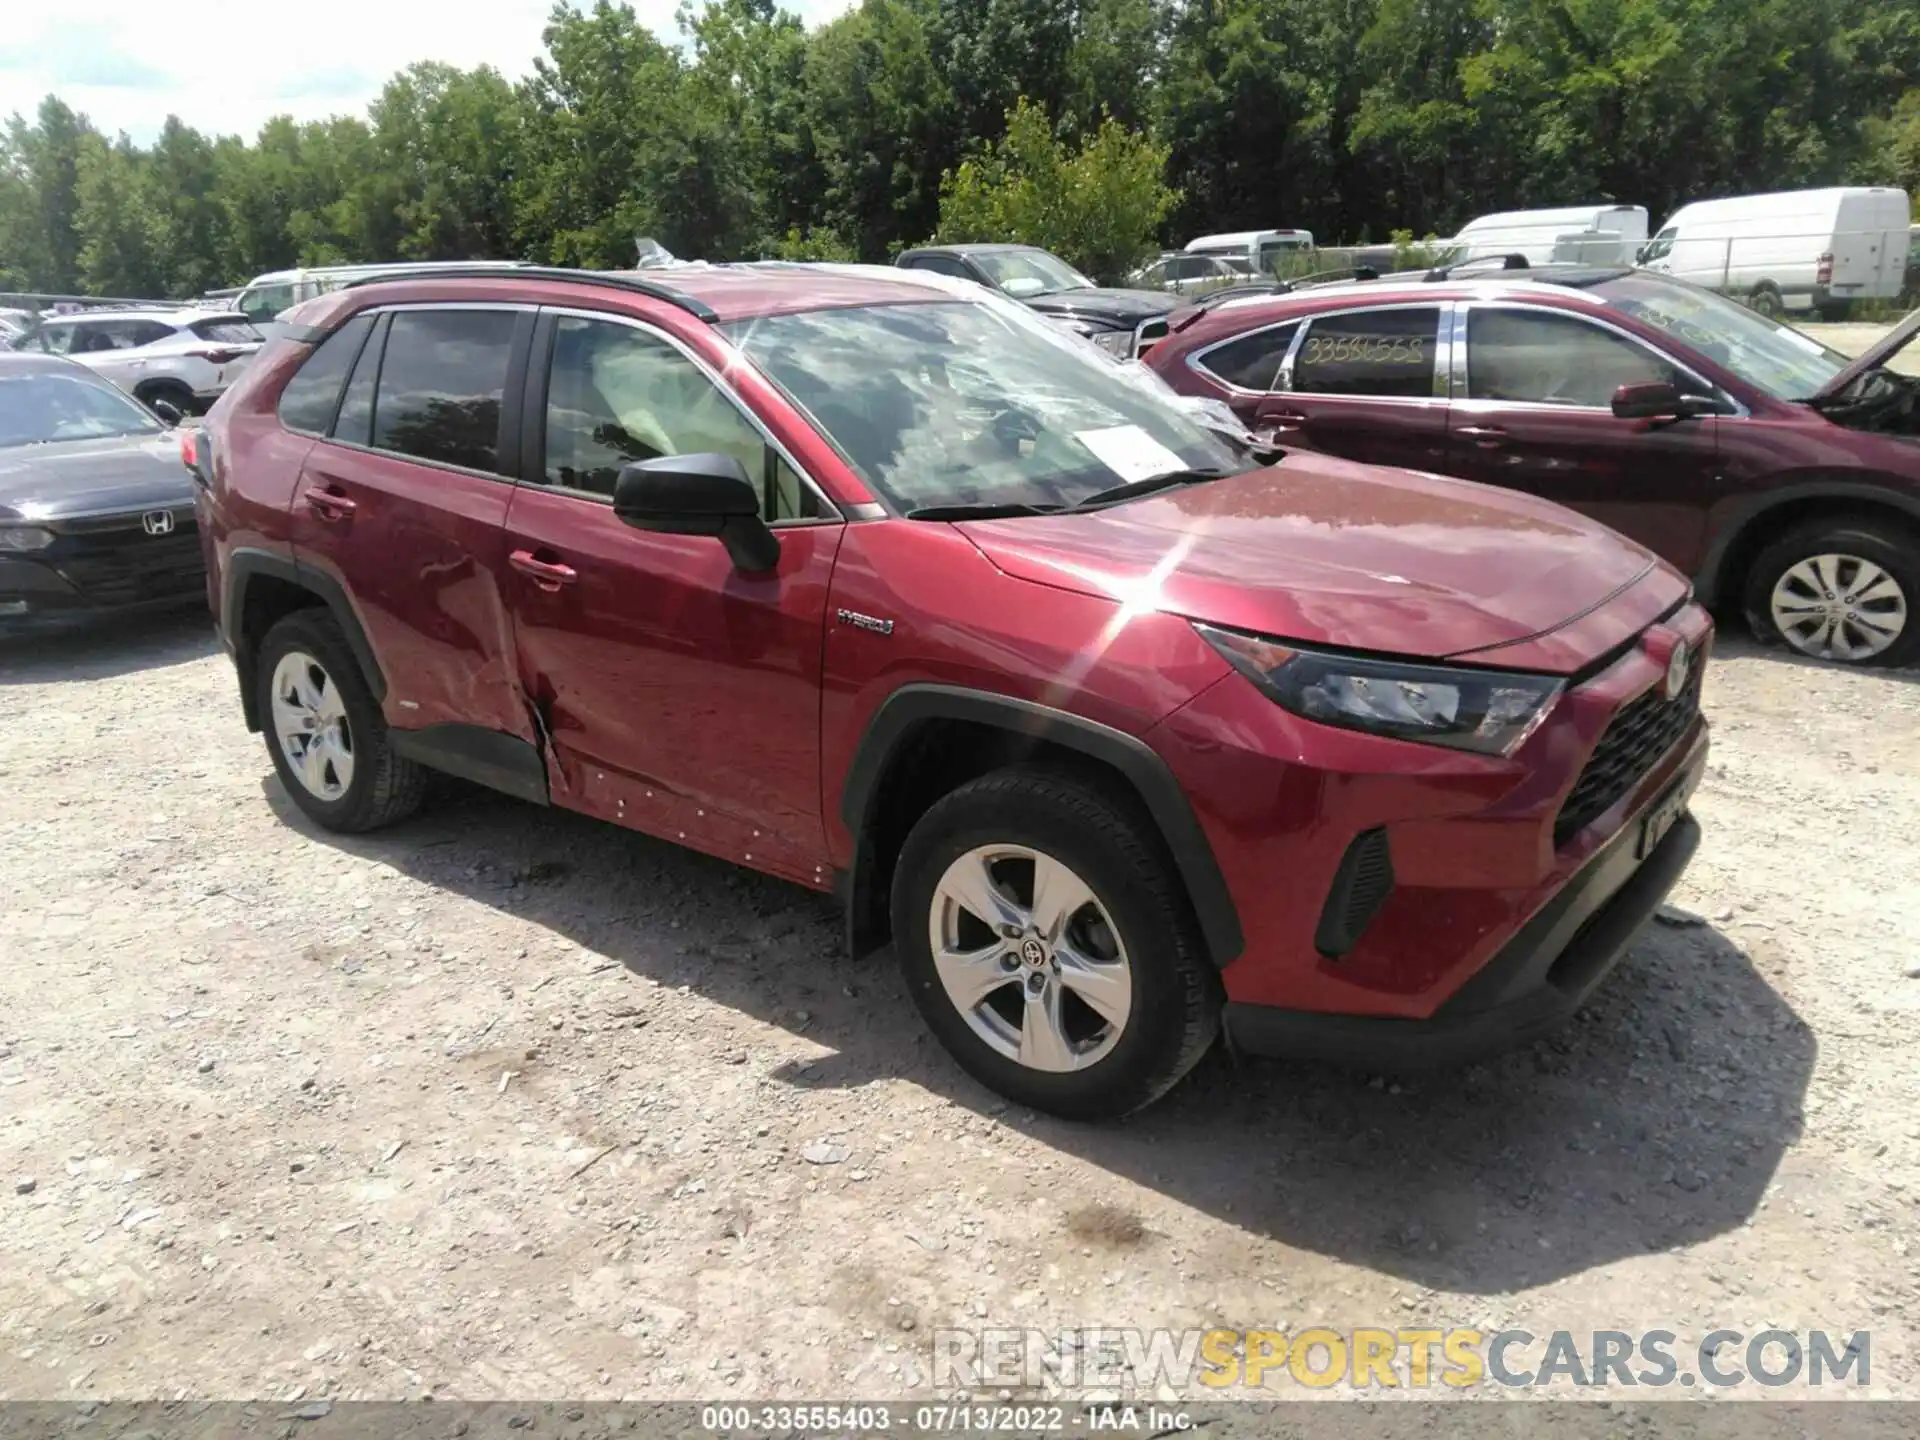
(157, 522)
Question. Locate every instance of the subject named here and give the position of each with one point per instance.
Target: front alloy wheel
(1839, 607)
(1030, 958)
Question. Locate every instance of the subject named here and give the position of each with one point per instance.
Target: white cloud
(225, 66)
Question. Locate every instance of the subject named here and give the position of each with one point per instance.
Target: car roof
(186, 315)
(971, 248)
(729, 292)
(28, 362)
(1563, 282)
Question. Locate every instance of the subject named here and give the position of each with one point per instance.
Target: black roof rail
(1332, 277)
(612, 279)
(1506, 262)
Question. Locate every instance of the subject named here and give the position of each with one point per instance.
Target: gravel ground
(505, 1102)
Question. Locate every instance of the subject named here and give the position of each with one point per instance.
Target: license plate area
(1660, 817)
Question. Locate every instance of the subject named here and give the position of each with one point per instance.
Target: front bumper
(1533, 985)
(106, 566)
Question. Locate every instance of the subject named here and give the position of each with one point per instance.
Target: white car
(184, 359)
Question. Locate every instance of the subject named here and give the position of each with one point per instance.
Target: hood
(1114, 307)
(72, 478)
(1872, 357)
(1359, 557)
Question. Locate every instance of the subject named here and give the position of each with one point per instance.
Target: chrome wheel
(1030, 958)
(1839, 607)
(310, 721)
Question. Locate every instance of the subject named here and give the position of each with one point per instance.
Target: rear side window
(227, 332)
(313, 394)
(441, 381)
(1386, 353)
(1253, 361)
(266, 301)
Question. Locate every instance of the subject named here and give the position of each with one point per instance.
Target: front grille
(124, 565)
(1641, 731)
(1360, 887)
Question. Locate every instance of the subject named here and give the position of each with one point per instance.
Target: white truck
(1803, 250)
(1581, 234)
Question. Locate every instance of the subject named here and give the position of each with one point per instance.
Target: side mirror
(707, 494)
(1650, 400)
(167, 411)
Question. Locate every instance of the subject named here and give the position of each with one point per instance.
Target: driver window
(616, 394)
(1539, 358)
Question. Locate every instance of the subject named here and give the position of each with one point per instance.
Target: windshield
(39, 407)
(956, 403)
(1775, 358)
(1026, 273)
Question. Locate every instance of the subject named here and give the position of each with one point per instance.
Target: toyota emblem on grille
(1679, 665)
(157, 522)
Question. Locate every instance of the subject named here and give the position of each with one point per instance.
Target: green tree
(122, 217)
(1098, 207)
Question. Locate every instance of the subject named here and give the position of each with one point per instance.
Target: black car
(1044, 282)
(96, 506)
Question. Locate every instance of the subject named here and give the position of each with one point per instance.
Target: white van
(1797, 250)
(267, 295)
(1258, 248)
(1582, 234)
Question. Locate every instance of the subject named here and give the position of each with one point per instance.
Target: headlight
(1118, 343)
(1489, 711)
(24, 537)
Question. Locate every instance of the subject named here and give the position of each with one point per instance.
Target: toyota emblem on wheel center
(1679, 664)
(157, 522)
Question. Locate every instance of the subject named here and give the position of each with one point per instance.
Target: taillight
(190, 448)
(217, 357)
(1823, 269)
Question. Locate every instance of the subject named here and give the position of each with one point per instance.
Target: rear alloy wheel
(1839, 591)
(1049, 946)
(329, 742)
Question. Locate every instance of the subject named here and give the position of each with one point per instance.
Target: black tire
(383, 787)
(171, 391)
(1766, 300)
(1889, 545)
(1109, 842)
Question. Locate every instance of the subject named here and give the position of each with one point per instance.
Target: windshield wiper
(996, 511)
(1133, 489)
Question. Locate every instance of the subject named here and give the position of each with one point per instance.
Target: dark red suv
(888, 586)
(1783, 477)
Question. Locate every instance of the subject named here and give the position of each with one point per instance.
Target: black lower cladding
(1535, 984)
(112, 563)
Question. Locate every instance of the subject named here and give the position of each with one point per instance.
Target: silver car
(182, 359)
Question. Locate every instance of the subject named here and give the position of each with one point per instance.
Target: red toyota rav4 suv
(895, 588)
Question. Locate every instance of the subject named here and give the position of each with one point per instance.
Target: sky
(225, 66)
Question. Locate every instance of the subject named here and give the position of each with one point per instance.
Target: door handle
(549, 575)
(1487, 437)
(329, 504)
(1278, 420)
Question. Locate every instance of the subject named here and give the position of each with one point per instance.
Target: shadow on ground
(1731, 643)
(102, 649)
(1656, 1119)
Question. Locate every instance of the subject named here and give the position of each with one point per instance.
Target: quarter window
(1253, 361)
(355, 425)
(1536, 357)
(313, 394)
(441, 382)
(617, 394)
(1387, 353)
